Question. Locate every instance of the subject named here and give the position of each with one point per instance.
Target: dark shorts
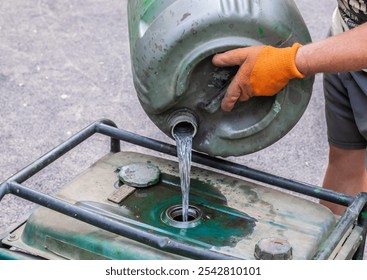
(346, 109)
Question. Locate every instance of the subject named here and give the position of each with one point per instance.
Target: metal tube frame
(355, 213)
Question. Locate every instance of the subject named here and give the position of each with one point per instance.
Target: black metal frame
(356, 211)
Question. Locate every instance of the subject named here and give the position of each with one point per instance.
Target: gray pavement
(65, 64)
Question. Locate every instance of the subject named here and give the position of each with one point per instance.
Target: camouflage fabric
(353, 12)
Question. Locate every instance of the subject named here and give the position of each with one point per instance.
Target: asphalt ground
(65, 64)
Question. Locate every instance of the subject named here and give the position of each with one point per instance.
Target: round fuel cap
(273, 249)
(140, 174)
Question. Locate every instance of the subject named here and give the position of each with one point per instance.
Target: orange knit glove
(264, 71)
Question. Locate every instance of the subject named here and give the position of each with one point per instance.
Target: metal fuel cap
(273, 249)
(139, 175)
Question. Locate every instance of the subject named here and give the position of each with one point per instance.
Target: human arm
(343, 52)
(263, 66)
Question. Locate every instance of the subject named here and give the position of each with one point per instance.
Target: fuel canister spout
(183, 121)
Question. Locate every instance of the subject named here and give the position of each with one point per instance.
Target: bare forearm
(276, 66)
(343, 52)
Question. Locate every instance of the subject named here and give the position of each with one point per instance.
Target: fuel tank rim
(171, 216)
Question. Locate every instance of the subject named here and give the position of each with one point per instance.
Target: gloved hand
(264, 71)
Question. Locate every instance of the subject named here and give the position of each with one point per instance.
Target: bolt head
(12, 237)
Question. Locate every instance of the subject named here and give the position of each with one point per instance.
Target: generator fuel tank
(228, 217)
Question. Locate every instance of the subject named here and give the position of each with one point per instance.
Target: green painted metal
(234, 216)
(171, 45)
(220, 225)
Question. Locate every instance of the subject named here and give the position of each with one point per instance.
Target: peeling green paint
(148, 2)
(277, 106)
(220, 225)
(364, 215)
(261, 31)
